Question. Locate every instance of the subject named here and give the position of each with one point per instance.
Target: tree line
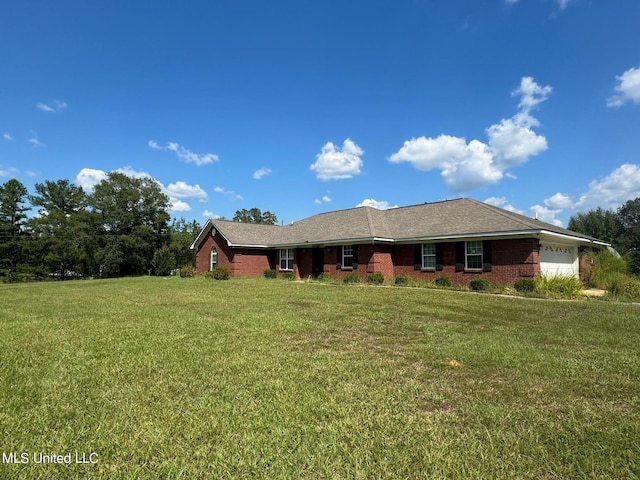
(620, 228)
(121, 228)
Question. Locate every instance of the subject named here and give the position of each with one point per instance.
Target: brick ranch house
(462, 239)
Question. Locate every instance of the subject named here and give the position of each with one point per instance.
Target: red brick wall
(203, 255)
(251, 263)
(381, 262)
(331, 255)
(242, 262)
(371, 258)
(512, 259)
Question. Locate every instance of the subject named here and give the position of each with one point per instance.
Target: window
(347, 256)
(286, 259)
(473, 255)
(429, 255)
(213, 259)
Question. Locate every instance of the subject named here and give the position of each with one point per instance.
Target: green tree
(164, 262)
(629, 240)
(255, 215)
(132, 218)
(181, 236)
(60, 196)
(62, 236)
(620, 228)
(599, 223)
(13, 208)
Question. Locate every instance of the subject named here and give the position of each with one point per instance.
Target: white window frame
(347, 252)
(213, 259)
(286, 256)
(429, 256)
(473, 248)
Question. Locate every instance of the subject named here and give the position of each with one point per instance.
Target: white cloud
(553, 206)
(8, 172)
(463, 166)
(502, 203)
(258, 174)
(546, 214)
(7, 136)
(561, 3)
(88, 178)
(322, 200)
(628, 88)
(180, 189)
(130, 172)
(55, 106)
(512, 142)
(379, 204)
(179, 206)
(612, 191)
(231, 193)
(184, 154)
(334, 163)
(210, 214)
(531, 94)
(36, 143)
(45, 108)
(470, 166)
(183, 190)
(558, 201)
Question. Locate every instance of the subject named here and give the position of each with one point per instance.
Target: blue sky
(300, 107)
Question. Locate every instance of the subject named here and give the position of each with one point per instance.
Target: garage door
(558, 259)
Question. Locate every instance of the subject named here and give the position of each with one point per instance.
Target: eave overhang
(204, 231)
(405, 240)
(503, 235)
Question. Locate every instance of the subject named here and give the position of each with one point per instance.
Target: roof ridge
(369, 221)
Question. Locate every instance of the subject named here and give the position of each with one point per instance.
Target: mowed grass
(194, 378)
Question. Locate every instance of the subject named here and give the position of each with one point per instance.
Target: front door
(317, 261)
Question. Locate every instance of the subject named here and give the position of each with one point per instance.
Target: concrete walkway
(594, 292)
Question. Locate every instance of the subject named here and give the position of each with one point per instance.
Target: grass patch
(174, 378)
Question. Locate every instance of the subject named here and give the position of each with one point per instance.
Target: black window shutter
(460, 256)
(439, 257)
(417, 257)
(339, 257)
(486, 256)
(355, 257)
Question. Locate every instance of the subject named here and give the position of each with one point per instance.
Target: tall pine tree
(13, 208)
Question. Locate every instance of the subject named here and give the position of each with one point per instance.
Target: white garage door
(558, 259)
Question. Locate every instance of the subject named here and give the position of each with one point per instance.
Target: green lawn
(196, 378)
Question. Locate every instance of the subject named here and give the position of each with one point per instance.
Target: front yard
(195, 378)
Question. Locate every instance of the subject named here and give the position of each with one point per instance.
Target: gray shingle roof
(439, 220)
